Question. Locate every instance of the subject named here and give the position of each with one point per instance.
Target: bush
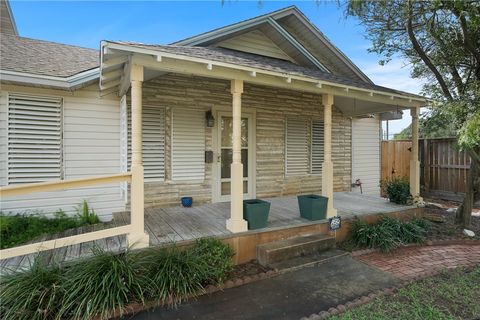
(107, 282)
(102, 284)
(33, 294)
(388, 234)
(217, 258)
(397, 189)
(172, 275)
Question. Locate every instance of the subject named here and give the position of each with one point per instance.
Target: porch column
(236, 222)
(414, 162)
(327, 166)
(137, 236)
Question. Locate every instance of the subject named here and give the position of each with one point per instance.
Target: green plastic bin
(312, 206)
(256, 212)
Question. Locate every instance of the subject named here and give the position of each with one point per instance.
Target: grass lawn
(454, 294)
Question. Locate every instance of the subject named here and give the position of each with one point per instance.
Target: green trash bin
(312, 206)
(256, 212)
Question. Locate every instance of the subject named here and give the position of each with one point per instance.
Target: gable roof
(254, 61)
(295, 28)
(7, 21)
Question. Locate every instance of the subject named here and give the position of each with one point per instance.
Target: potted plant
(312, 206)
(256, 211)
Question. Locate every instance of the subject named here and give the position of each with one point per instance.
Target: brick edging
(339, 309)
(428, 243)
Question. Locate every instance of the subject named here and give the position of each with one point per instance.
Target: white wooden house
(289, 114)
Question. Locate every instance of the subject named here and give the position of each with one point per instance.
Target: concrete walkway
(407, 263)
(287, 296)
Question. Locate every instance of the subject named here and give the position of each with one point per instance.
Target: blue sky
(86, 23)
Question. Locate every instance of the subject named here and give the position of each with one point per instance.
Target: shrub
(85, 214)
(388, 233)
(397, 189)
(172, 274)
(101, 284)
(32, 294)
(217, 258)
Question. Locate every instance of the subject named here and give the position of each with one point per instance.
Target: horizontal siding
(91, 146)
(366, 154)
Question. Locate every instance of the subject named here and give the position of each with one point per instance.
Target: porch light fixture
(209, 66)
(210, 120)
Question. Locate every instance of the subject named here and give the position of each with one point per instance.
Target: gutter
(69, 83)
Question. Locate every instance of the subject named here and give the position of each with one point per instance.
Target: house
(266, 107)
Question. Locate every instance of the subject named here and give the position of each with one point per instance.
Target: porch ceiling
(351, 98)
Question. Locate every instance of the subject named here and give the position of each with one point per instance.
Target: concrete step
(277, 251)
(311, 260)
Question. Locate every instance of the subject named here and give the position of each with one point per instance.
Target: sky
(86, 23)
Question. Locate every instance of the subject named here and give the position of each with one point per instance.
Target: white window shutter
(153, 142)
(34, 138)
(317, 146)
(188, 145)
(297, 151)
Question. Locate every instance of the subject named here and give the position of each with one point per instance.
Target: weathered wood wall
(272, 106)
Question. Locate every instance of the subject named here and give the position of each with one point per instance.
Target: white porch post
(327, 166)
(137, 237)
(414, 162)
(236, 222)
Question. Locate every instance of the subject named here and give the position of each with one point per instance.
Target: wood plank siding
(271, 106)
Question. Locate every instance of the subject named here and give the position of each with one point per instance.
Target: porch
(168, 225)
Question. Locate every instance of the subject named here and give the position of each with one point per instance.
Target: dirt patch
(247, 269)
(449, 230)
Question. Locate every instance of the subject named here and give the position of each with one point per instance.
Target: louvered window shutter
(317, 146)
(297, 152)
(34, 138)
(188, 145)
(153, 142)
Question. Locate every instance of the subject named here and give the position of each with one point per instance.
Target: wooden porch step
(311, 260)
(269, 253)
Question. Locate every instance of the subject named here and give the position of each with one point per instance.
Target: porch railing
(16, 190)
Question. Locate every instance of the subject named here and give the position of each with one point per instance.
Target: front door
(224, 156)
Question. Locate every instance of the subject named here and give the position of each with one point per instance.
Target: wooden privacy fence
(443, 167)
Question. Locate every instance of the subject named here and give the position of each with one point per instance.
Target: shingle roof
(45, 58)
(261, 62)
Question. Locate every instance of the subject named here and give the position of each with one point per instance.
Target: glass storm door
(225, 153)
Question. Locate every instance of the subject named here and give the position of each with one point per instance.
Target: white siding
(91, 146)
(188, 145)
(255, 42)
(366, 154)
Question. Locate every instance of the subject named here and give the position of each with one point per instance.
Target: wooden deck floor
(178, 224)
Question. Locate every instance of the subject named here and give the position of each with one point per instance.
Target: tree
(441, 40)
(437, 126)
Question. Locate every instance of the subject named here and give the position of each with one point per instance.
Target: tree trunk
(472, 195)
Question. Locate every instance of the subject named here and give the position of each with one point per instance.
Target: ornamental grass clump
(388, 233)
(102, 284)
(32, 294)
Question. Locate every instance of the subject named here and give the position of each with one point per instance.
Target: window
(304, 146)
(188, 145)
(153, 142)
(297, 149)
(34, 139)
(317, 147)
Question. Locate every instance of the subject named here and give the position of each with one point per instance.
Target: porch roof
(352, 96)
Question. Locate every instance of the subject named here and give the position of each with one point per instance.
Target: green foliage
(18, 229)
(107, 282)
(85, 214)
(388, 234)
(33, 294)
(21, 228)
(101, 284)
(216, 258)
(173, 275)
(397, 189)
